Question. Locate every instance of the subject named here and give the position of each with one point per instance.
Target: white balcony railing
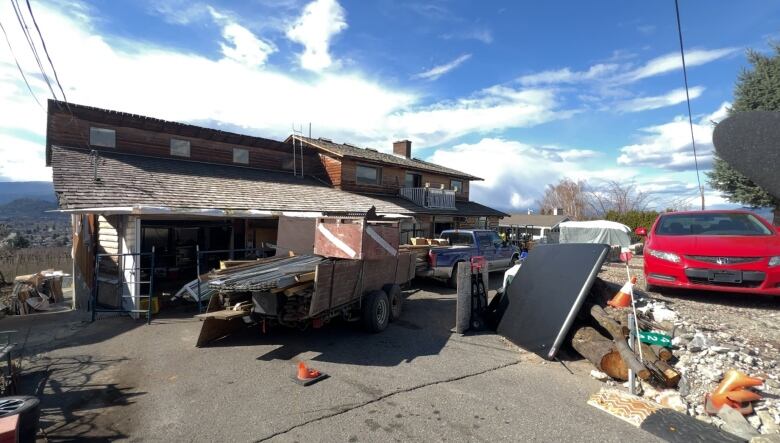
(430, 197)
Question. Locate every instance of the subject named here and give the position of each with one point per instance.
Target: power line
(24, 77)
(688, 100)
(26, 31)
(45, 50)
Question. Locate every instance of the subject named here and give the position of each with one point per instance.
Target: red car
(731, 251)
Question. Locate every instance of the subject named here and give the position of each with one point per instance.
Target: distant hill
(30, 208)
(10, 191)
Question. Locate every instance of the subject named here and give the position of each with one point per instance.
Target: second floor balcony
(430, 197)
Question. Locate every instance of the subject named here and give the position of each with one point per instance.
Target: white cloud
(668, 145)
(179, 12)
(314, 29)
(242, 45)
(483, 35)
(437, 71)
(671, 98)
(136, 77)
(516, 173)
(623, 73)
(22, 160)
(672, 62)
(567, 76)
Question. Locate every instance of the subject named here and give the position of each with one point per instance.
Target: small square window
(456, 185)
(102, 137)
(241, 155)
(180, 148)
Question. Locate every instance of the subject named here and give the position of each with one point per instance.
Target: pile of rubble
(702, 357)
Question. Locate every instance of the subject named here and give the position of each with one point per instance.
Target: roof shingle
(132, 180)
(347, 150)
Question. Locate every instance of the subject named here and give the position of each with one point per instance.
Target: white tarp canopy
(595, 231)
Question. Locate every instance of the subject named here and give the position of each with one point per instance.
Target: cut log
(615, 329)
(600, 351)
(619, 334)
(660, 369)
(663, 353)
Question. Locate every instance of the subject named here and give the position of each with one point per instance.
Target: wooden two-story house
(133, 183)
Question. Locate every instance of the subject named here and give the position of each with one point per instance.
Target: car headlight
(774, 261)
(668, 256)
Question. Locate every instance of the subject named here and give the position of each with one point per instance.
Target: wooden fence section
(32, 260)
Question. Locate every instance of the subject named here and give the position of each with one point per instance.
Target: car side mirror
(641, 231)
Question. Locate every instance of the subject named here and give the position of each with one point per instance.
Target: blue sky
(520, 93)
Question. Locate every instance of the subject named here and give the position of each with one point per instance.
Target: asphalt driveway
(417, 381)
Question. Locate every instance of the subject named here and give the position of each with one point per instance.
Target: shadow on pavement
(76, 405)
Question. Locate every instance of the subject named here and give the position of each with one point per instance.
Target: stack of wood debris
(601, 334)
(34, 292)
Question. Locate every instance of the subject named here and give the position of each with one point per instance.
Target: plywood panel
(295, 234)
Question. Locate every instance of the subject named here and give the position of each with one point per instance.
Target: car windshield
(711, 224)
(458, 238)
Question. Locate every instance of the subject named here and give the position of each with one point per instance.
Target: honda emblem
(722, 260)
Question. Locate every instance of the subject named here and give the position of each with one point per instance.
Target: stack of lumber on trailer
(263, 275)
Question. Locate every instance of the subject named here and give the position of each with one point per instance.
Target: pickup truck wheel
(514, 260)
(376, 311)
(396, 300)
(453, 280)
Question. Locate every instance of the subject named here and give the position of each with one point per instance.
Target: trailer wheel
(396, 300)
(376, 311)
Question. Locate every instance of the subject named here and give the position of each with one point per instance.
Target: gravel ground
(715, 332)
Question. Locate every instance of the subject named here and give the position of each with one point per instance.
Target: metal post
(151, 291)
(631, 375)
(95, 286)
(197, 274)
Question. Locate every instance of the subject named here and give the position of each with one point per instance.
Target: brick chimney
(403, 148)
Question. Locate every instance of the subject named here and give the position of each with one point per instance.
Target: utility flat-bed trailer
(366, 290)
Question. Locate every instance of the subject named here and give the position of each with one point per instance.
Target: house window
(412, 180)
(456, 185)
(368, 175)
(241, 155)
(102, 137)
(180, 148)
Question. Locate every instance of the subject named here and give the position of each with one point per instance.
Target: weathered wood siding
(393, 178)
(66, 130)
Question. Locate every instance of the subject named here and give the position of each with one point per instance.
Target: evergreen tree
(757, 89)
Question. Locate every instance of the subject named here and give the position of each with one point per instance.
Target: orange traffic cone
(305, 373)
(731, 391)
(307, 376)
(623, 298)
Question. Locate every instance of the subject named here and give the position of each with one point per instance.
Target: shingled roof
(369, 154)
(127, 180)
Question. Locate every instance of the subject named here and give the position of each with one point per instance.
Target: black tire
(28, 410)
(513, 261)
(376, 311)
(453, 280)
(396, 299)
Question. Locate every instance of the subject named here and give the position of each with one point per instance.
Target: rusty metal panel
(355, 238)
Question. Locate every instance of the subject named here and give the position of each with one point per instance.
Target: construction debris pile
(34, 292)
(691, 368)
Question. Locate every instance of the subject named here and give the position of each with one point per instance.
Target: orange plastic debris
(623, 298)
(731, 391)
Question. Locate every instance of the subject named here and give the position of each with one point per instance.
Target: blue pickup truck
(464, 244)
